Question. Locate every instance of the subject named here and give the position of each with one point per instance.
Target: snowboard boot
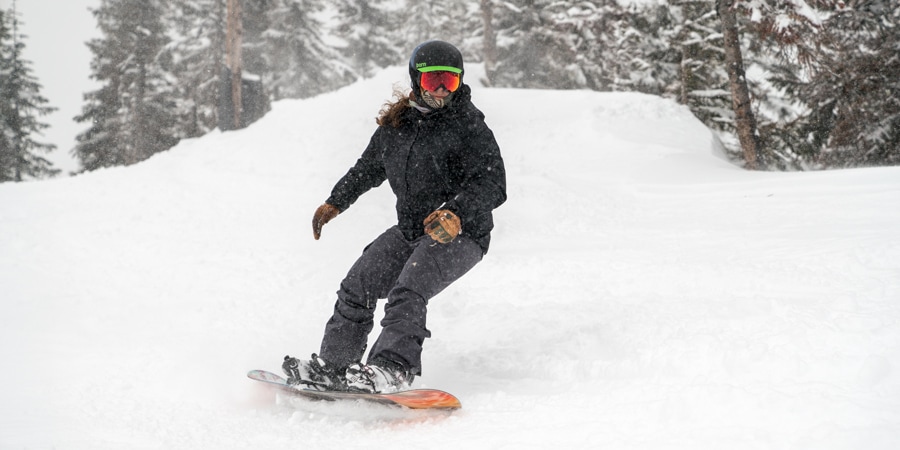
(383, 378)
(314, 373)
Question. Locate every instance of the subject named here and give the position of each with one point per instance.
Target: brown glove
(322, 216)
(443, 226)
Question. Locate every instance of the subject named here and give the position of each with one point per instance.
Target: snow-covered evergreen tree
(531, 50)
(132, 115)
(21, 106)
(445, 20)
(256, 21)
(834, 65)
(645, 56)
(301, 64)
(702, 82)
(580, 45)
(854, 87)
(198, 61)
(369, 30)
(587, 36)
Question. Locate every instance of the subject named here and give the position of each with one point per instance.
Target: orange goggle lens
(431, 81)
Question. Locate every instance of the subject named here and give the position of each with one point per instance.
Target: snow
(640, 293)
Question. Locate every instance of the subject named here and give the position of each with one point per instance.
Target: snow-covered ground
(640, 292)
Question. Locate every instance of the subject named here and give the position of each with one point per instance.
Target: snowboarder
(444, 166)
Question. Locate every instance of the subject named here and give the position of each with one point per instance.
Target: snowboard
(412, 399)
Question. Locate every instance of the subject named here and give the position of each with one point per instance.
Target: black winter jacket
(445, 159)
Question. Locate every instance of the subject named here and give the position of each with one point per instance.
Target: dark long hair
(392, 111)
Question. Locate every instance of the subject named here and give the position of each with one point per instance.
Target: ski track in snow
(640, 292)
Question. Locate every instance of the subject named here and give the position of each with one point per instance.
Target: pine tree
(301, 64)
(588, 35)
(197, 62)
(835, 65)
(255, 21)
(744, 116)
(578, 45)
(702, 81)
(132, 115)
(424, 21)
(853, 90)
(21, 105)
(369, 29)
(531, 50)
(644, 54)
(489, 40)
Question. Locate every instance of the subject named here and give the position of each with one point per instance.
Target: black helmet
(434, 55)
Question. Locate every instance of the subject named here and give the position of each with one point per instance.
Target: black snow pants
(408, 274)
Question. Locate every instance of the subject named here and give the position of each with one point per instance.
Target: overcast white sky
(56, 32)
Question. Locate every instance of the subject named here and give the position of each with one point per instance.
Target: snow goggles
(431, 81)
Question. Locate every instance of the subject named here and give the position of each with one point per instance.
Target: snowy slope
(640, 292)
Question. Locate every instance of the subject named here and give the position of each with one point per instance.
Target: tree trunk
(233, 37)
(490, 40)
(745, 121)
(687, 75)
